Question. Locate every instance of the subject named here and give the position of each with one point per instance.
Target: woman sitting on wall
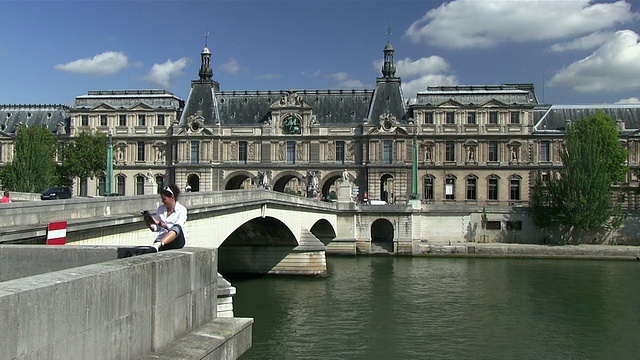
(169, 220)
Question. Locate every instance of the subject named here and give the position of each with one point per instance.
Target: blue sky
(573, 51)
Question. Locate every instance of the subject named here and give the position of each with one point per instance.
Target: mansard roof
(329, 106)
(48, 115)
(477, 95)
(553, 118)
(127, 99)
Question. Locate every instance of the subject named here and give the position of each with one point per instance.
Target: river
(446, 308)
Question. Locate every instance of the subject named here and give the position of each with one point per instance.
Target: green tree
(85, 157)
(33, 168)
(579, 199)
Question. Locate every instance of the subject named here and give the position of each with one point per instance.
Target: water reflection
(415, 308)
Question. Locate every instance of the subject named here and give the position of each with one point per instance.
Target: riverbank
(500, 250)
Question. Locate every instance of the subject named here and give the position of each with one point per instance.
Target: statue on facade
(149, 176)
(60, 128)
(472, 153)
(313, 183)
(264, 179)
(514, 154)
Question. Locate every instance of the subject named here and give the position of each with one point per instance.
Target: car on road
(56, 192)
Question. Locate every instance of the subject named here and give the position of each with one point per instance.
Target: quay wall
(56, 304)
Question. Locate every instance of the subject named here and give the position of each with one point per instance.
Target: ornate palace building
(478, 145)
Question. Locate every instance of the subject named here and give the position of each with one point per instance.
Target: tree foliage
(579, 199)
(85, 157)
(33, 168)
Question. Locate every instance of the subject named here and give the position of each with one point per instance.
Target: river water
(446, 308)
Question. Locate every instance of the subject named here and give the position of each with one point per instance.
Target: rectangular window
(291, 152)
(471, 117)
(120, 185)
(515, 189)
(493, 225)
(493, 150)
(141, 154)
(140, 185)
(388, 152)
(450, 118)
(471, 188)
(142, 120)
(122, 120)
(60, 151)
(493, 117)
(515, 117)
(339, 152)
(85, 120)
(428, 188)
(160, 120)
(195, 152)
(102, 186)
(493, 189)
(449, 188)
(428, 118)
(103, 120)
(243, 147)
(545, 151)
(450, 151)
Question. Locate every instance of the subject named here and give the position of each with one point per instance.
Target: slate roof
(553, 117)
(30, 115)
(475, 95)
(251, 108)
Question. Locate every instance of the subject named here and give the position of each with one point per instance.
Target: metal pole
(109, 185)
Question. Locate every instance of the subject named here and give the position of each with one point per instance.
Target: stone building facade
(473, 145)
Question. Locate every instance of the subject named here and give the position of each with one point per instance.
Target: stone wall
(111, 309)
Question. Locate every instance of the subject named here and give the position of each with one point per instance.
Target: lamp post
(109, 182)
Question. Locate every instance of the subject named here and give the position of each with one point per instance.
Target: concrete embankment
(612, 252)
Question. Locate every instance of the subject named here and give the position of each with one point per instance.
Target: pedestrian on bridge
(169, 221)
(6, 198)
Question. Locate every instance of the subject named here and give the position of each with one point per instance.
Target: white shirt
(177, 217)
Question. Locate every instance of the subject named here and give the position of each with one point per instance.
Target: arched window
(427, 185)
(140, 184)
(450, 187)
(120, 187)
(514, 185)
(492, 187)
(472, 187)
(159, 183)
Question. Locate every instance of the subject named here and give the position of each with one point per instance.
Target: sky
(573, 51)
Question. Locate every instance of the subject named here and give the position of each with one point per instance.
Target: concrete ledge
(223, 338)
(587, 252)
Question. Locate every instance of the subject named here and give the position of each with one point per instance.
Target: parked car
(56, 192)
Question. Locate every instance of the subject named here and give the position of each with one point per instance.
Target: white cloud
(268, 76)
(231, 66)
(345, 82)
(419, 74)
(586, 42)
(107, 63)
(629, 101)
(486, 23)
(613, 67)
(164, 74)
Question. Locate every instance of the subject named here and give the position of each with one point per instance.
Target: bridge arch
(261, 231)
(235, 179)
(281, 180)
(324, 231)
(382, 235)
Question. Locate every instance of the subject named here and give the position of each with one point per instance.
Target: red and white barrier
(57, 233)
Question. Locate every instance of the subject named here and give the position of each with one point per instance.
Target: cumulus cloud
(418, 74)
(584, 43)
(629, 101)
(164, 74)
(107, 63)
(486, 23)
(231, 66)
(268, 76)
(614, 66)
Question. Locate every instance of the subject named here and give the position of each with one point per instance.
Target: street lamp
(109, 182)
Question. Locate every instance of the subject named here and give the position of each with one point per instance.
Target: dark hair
(172, 190)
